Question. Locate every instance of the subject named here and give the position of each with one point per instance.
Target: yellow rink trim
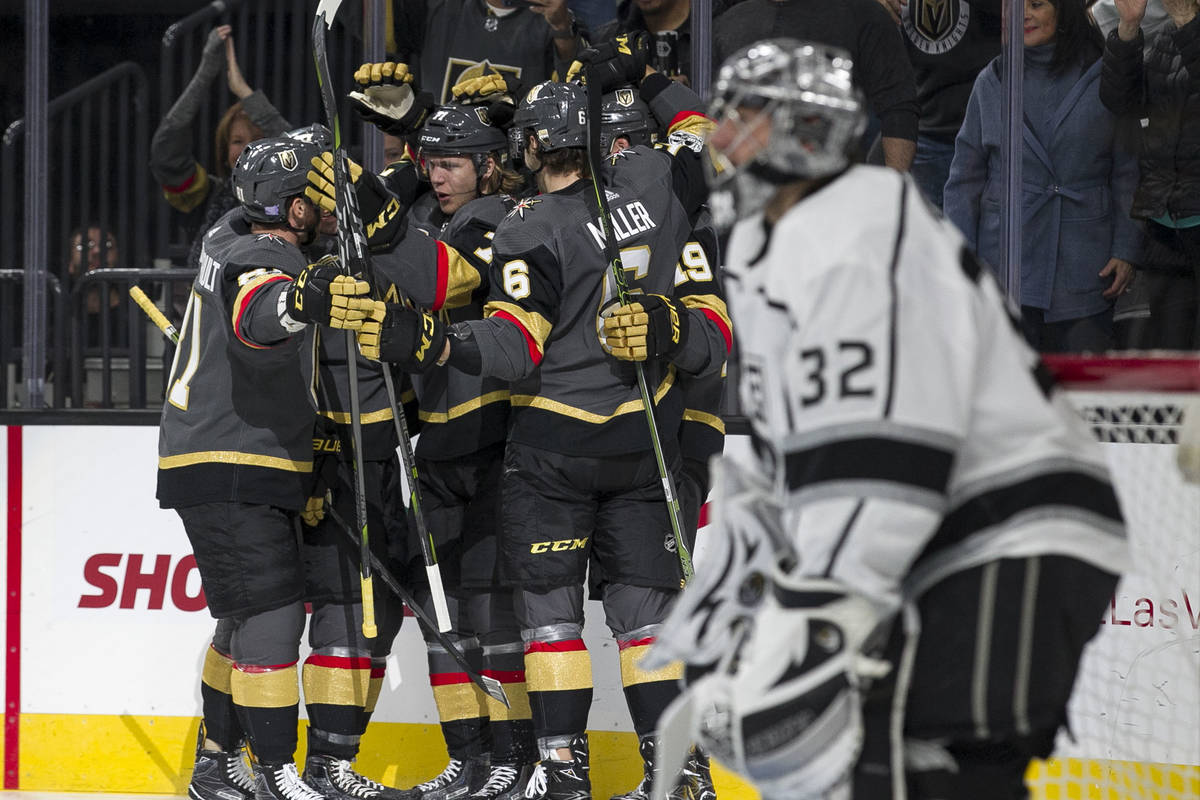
(1095, 779)
(153, 755)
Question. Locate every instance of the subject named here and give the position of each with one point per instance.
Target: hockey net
(1135, 711)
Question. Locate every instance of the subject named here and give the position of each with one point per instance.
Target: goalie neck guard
(268, 173)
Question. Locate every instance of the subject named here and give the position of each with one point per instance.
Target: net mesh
(1135, 712)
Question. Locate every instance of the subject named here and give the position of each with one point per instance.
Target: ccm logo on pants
(558, 546)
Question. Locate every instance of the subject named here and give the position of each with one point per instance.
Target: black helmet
(268, 173)
(557, 113)
(460, 130)
(624, 114)
(316, 134)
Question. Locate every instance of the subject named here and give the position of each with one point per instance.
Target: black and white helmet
(315, 134)
(623, 113)
(816, 113)
(557, 115)
(268, 173)
(461, 130)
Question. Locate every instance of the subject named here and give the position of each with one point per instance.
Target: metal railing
(12, 282)
(99, 174)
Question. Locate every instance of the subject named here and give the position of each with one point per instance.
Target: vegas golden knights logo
(935, 26)
(482, 115)
(288, 160)
(625, 98)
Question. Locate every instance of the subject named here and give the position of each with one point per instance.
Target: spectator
(659, 16)
(1155, 85)
(1107, 17)
(523, 39)
(187, 185)
(947, 45)
(93, 247)
(862, 28)
(1078, 243)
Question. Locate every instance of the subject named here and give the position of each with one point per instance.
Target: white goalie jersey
(906, 429)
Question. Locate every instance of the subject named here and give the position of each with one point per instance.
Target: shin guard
(558, 671)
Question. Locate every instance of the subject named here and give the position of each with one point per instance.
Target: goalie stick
(491, 687)
(352, 248)
(595, 162)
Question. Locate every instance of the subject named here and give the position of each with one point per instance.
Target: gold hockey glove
(382, 212)
(314, 511)
(493, 90)
(388, 98)
(411, 339)
(322, 294)
(653, 327)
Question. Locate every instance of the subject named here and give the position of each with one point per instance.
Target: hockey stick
(618, 271)
(352, 248)
(156, 316)
(492, 687)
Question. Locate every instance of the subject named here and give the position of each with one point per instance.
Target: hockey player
(234, 455)
(579, 476)
(918, 492)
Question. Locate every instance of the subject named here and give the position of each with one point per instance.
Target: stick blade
(674, 744)
(328, 9)
(494, 690)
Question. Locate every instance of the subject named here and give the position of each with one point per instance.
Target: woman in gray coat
(1078, 176)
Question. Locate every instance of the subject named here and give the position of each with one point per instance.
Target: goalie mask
(555, 113)
(623, 113)
(269, 173)
(786, 111)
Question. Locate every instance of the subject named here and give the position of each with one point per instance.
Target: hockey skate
(504, 782)
(561, 780)
(695, 783)
(282, 782)
(336, 779)
(220, 774)
(458, 779)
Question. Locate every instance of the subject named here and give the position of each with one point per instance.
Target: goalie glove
(411, 339)
(382, 212)
(322, 294)
(652, 327)
(388, 99)
(619, 62)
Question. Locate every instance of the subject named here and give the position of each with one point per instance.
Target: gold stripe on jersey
(711, 420)
(535, 324)
(628, 407)
(343, 417)
(462, 279)
(275, 688)
(631, 674)
(459, 701)
(248, 288)
(462, 409)
(335, 686)
(710, 302)
(217, 669)
(233, 457)
(693, 122)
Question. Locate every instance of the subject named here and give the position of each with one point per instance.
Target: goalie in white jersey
(924, 538)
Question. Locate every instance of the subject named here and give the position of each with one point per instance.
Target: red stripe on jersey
(534, 351)
(649, 640)
(237, 322)
(561, 646)
(703, 516)
(443, 276)
(721, 326)
(506, 675)
(682, 115)
(448, 678)
(254, 669)
(183, 187)
(338, 662)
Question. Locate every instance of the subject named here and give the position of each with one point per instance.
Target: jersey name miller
(627, 220)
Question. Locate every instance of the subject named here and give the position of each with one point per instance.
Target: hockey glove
(404, 336)
(314, 511)
(613, 64)
(494, 91)
(322, 294)
(653, 327)
(388, 99)
(382, 212)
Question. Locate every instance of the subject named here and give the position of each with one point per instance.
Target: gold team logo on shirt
(936, 26)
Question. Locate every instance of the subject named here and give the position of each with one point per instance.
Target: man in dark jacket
(660, 16)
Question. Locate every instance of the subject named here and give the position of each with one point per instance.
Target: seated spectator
(862, 28)
(187, 185)
(1078, 173)
(659, 16)
(92, 247)
(1153, 85)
